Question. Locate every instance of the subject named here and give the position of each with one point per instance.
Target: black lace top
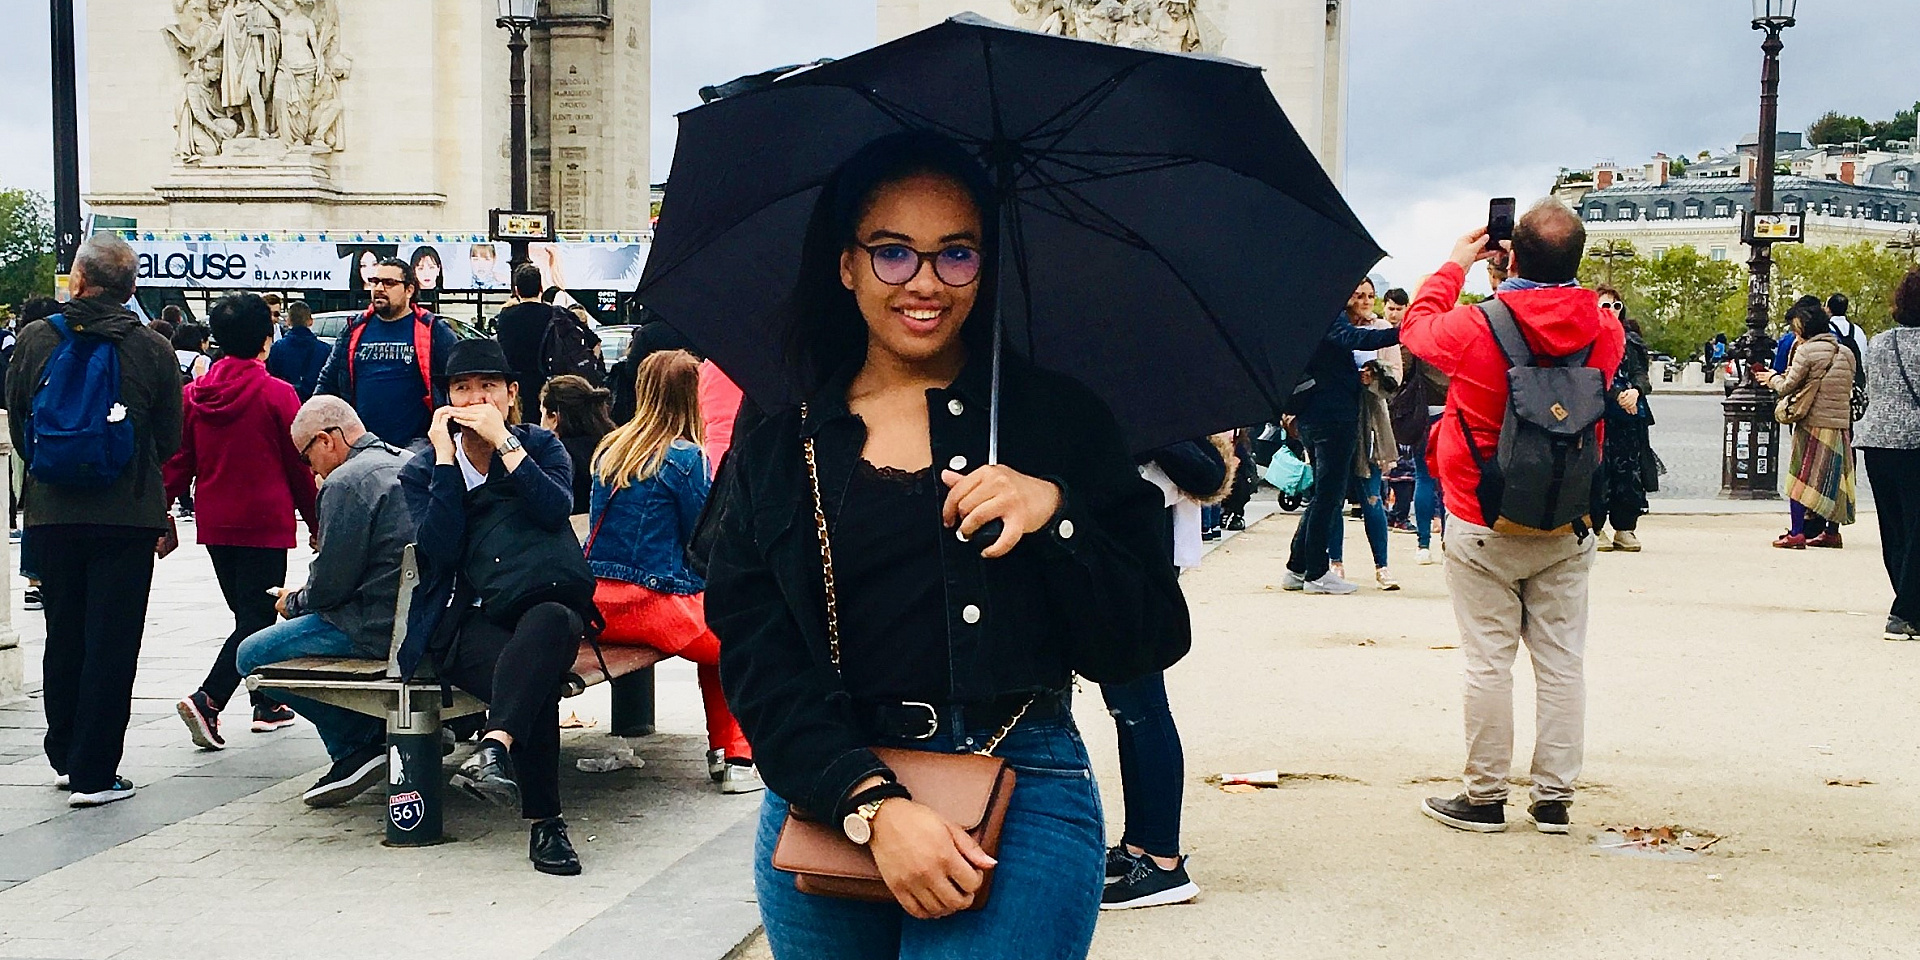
(886, 555)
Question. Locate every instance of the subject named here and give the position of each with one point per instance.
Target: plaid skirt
(1821, 472)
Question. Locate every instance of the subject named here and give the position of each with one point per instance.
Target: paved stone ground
(217, 857)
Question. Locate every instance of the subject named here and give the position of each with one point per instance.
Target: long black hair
(827, 331)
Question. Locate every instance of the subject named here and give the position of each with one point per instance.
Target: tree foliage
(1680, 298)
(1866, 272)
(1836, 127)
(26, 247)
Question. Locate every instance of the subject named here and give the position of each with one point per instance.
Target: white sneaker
(122, 789)
(741, 778)
(1424, 558)
(1332, 584)
(1385, 579)
(1291, 581)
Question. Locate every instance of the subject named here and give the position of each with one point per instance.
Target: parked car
(330, 325)
(614, 341)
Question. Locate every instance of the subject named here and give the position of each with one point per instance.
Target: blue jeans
(1152, 766)
(1428, 504)
(342, 730)
(1046, 891)
(1330, 448)
(1373, 513)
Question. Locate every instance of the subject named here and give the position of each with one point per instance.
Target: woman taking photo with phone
(863, 601)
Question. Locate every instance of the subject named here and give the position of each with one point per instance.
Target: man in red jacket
(236, 447)
(1512, 584)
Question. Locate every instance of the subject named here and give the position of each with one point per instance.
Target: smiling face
(1360, 305)
(918, 321)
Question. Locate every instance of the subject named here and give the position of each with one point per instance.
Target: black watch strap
(891, 790)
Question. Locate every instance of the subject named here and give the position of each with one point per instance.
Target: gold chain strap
(833, 593)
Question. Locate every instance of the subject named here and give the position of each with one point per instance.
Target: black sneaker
(351, 776)
(1460, 814)
(488, 775)
(203, 721)
(550, 850)
(33, 599)
(272, 716)
(1147, 885)
(1897, 629)
(1211, 535)
(1236, 522)
(119, 790)
(1119, 862)
(1550, 816)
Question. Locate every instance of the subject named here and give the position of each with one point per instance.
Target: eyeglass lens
(896, 264)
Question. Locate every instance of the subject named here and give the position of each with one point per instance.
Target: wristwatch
(858, 825)
(510, 444)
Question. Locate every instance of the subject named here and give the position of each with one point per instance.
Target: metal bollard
(633, 704)
(413, 779)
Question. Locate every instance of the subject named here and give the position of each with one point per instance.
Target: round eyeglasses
(896, 264)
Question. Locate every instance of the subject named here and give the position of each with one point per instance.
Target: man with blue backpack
(95, 402)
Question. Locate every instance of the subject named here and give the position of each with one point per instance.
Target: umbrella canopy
(1166, 236)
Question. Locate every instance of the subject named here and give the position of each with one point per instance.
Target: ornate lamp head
(1773, 15)
(518, 13)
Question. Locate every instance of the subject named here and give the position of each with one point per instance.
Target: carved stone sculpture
(1175, 25)
(261, 76)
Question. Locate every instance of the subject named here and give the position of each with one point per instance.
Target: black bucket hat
(476, 356)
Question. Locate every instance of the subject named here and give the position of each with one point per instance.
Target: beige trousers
(1507, 588)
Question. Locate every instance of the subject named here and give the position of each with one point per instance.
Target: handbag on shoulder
(973, 790)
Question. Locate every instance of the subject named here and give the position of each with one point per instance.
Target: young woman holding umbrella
(862, 600)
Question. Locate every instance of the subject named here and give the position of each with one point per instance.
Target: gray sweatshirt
(1893, 377)
(363, 527)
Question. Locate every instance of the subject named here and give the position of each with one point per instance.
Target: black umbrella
(1166, 237)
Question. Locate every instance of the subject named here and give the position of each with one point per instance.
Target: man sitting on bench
(505, 593)
(347, 607)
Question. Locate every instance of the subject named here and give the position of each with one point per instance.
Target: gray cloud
(1449, 103)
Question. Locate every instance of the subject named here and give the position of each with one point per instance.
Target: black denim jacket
(1093, 593)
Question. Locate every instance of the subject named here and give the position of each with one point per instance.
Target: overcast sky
(1449, 103)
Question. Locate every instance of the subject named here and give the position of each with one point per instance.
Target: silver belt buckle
(933, 719)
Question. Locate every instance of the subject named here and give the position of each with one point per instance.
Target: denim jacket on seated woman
(641, 533)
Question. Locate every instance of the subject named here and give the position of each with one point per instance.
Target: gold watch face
(857, 828)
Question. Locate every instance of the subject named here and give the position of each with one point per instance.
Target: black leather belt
(914, 720)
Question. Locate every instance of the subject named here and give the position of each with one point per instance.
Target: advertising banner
(445, 264)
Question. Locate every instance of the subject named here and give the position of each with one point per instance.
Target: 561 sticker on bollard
(406, 810)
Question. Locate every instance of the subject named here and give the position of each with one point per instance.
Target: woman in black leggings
(505, 590)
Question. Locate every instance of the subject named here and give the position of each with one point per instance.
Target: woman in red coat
(236, 449)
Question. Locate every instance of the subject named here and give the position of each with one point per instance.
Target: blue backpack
(78, 433)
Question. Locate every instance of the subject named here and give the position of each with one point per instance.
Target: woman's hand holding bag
(932, 866)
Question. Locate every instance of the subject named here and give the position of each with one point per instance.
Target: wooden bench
(414, 711)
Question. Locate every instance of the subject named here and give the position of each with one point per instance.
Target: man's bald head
(1549, 242)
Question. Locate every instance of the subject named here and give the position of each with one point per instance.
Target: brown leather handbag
(970, 789)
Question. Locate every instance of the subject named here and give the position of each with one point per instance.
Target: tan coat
(1824, 365)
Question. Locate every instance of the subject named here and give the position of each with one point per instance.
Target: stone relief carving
(1175, 25)
(262, 77)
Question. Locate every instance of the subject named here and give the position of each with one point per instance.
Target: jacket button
(1066, 529)
(957, 463)
(956, 408)
(970, 613)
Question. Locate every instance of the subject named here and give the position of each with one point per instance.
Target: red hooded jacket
(234, 442)
(1455, 339)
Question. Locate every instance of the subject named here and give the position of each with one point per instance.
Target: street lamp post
(1750, 454)
(66, 139)
(518, 17)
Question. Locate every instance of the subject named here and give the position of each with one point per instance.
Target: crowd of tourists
(828, 566)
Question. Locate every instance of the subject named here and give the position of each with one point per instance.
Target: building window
(1659, 252)
(1663, 210)
(1722, 208)
(1692, 210)
(1596, 212)
(1903, 179)
(1719, 253)
(1625, 211)
(1791, 205)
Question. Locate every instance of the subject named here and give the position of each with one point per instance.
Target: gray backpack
(1542, 474)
